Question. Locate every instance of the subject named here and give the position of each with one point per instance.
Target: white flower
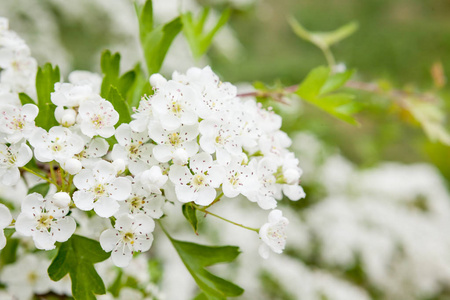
(173, 144)
(5, 220)
(142, 202)
(153, 179)
(11, 158)
(94, 149)
(71, 95)
(27, 276)
(143, 115)
(100, 189)
(133, 148)
(238, 178)
(17, 123)
(58, 144)
(97, 117)
(131, 234)
(65, 117)
(174, 104)
(200, 185)
(264, 189)
(219, 135)
(273, 234)
(44, 221)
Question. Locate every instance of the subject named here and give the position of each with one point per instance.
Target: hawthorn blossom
(27, 276)
(273, 234)
(174, 104)
(130, 234)
(11, 158)
(5, 220)
(264, 189)
(17, 123)
(93, 150)
(133, 148)
(44, 221)
(71, 95)
(238, 178)
(97, 117)
(178, 144)
(58, 144)
(200, 185)
(142, 202)
(143, 115)
(100, 189)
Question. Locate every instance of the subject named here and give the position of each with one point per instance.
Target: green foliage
(120, 106)
(319, 88)
(155, 41)
(199, 41)
(196, 257)
(110, 65)
(190, 213)
(77, 257)
(8, 255)
(25, 99)
(46, 78)
(41, 188)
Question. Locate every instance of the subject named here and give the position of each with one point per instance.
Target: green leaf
(323, 39)
(199, 41)
(319, 88)
(41, 188)
(200, 296)
(156, 41)
(125, 83)
(77, 257)
(336, 81)
(25, 99)
(110, 65)
(46, 78)
(196, 257)
(8, 255)
(120, 106)
(190, 213)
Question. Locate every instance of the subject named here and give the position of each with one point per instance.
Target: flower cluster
(192, 141)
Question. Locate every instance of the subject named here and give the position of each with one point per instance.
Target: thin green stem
(328, 56)
(38, 175)
(52, 171)
(203, 209)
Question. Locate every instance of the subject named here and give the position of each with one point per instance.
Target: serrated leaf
(199, 41)
(41, 188)
(155, 41)
(25, 99)
(120, 106)
(196, 257)
(46, 78)
(319, 88)
(190, 213)
(77, 257)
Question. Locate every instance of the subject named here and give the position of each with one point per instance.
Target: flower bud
(72, 165)
(157, 79)
(291, 176)
(65, 117)
(61, 199)
(119, 165)
(180, 157)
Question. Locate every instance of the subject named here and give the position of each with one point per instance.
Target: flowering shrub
(116, 150)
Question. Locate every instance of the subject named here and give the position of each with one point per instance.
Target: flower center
(174, 139)
(44, 221)
(99, 190)
(97, 120)
(128, 238)
(137, 202)
(198, 180)
(176, 108)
